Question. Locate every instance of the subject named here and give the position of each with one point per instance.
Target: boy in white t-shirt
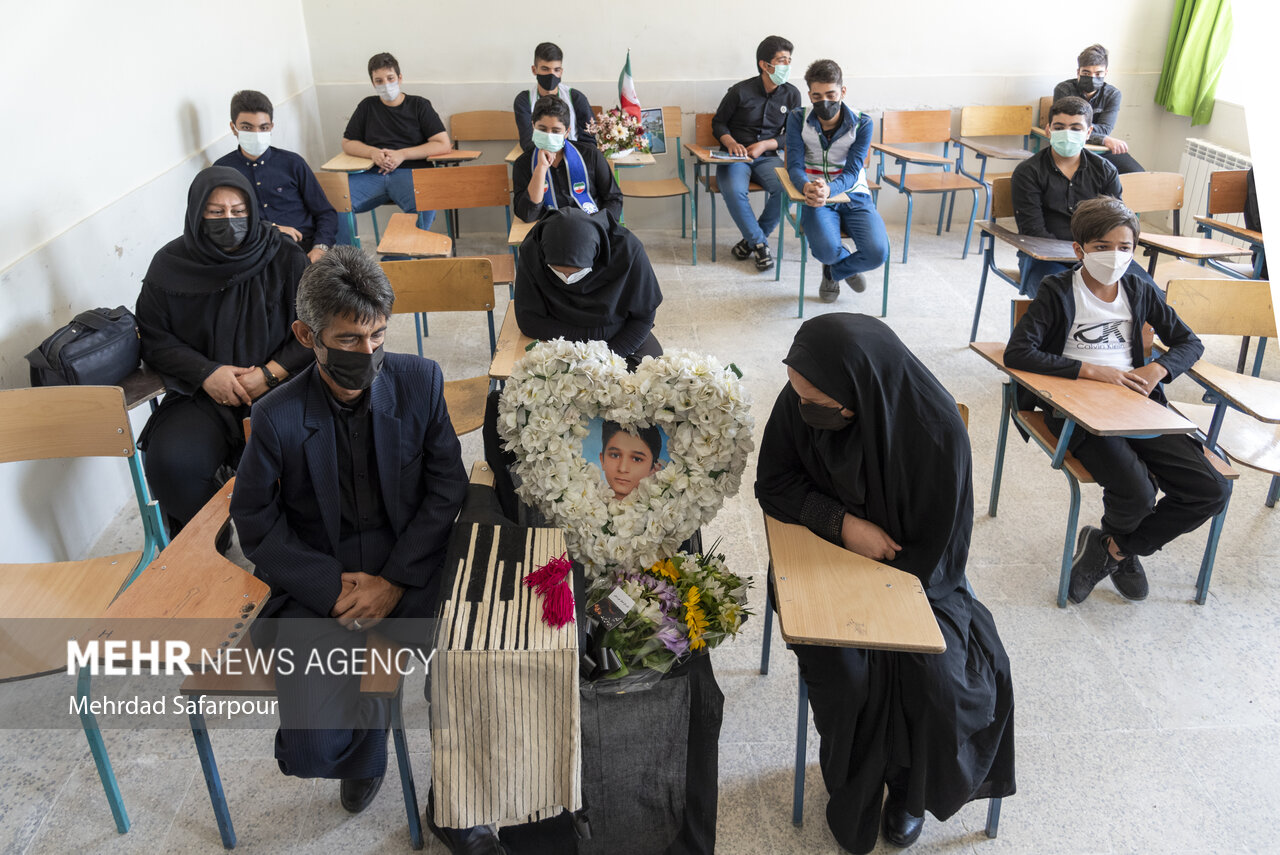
(1087, 323)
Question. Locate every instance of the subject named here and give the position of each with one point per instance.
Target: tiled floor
(1145, 728)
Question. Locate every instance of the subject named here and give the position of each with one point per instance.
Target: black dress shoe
(1092, 563)
(899, 827)
(479, 840)
(357, 793)
(1130, 579)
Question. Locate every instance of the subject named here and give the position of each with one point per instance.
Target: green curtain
(1193, 58)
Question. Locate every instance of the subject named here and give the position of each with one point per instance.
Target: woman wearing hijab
(586, 278)
(214, 315)
(866, 449)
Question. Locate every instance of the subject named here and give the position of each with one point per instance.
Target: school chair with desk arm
(665, 188)
(912, 127)
(706, 155)
(792, 195)
(1041, 249)
(1240, 415)
(1103, 409)
(1153, 192)
(980, 126)
(1228, 194)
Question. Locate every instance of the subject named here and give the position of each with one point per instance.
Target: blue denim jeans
(860, 221)
(370, 189)
(734, 178)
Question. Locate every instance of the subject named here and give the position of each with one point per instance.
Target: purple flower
(667, 595)
(673, 639)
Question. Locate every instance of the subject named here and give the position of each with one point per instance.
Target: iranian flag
(627, 98)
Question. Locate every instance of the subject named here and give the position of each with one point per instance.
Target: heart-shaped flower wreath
(559, 386)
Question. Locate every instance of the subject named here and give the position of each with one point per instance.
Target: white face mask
(254, 143)
(1107, 267)
(570, 278)
(388, 91)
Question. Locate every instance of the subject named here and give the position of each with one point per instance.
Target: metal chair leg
(712, 198)
(768, 627)
(99, 750)
(804, 258)
(1274, 492)
(419, 321)
(968, 235)
(1073, 519)
(977, 309)
(783, 207)
(993, 818)
(406, 771)
(802, 734)
(942, 209)
(906, 240)
(212, 780)
(884, 299)
(1211, 551)
(1006, 413)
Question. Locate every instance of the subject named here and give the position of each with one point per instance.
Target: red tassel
(551, 581)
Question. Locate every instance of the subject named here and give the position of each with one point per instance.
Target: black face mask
(549, 82)
(352, 370)
(226, 233)
(823, 418)
(1090, 84)
(826, 110)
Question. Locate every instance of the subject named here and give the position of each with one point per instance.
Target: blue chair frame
(802, 722)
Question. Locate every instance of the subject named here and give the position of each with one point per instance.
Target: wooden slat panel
(1192, 247)
(1034, 423)
(64, 421)
(483, 125)
(703, 135)
(1246, 440)
(1224, 306)
(932, 182)
(1232, 229)
(1145, 192)
(143, 385)
(1228, 190)
(1104, 409)
(1046, 104)
(658, 188)
(441, 284)
(1041, 249)
(336, 189)
(481, 474)
(462, 187)
(511, 346)
(828, 595)
(673, 124)
(63, 588)
(347, 163)
(915, 126)
(987, 121)
(1001, 197)
(911, 155)
(519, 231)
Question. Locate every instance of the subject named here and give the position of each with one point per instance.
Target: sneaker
(1091, 564)
(741, 250)
(829, 291)
(764, 258)
(857, 282)
(1130, 579)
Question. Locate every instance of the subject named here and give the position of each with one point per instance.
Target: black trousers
(1123, 162)
(186, 443)
(327, 728)
(1130, 471)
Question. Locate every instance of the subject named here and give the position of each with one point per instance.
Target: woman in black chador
(866, 449)
(214, 314)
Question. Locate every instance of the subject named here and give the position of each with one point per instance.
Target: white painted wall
(110, 111)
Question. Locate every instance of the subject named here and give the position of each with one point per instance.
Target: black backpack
(100, 347)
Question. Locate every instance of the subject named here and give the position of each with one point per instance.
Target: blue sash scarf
(579, 186)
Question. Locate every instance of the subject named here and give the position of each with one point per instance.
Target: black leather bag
(100, 347)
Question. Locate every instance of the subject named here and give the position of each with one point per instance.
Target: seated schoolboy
(285, 186)
(827, 144)
(1090, 83)
(1087, 323)
(1048, 185)
(558, 172)
(750, 122)
(398, 132)
(548, 69)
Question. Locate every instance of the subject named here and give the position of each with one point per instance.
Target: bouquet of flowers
(618, 133)
(684, 605)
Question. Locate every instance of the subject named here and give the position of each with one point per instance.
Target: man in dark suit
(344, 502)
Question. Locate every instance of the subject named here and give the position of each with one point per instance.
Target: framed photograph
(623, 458)
(652, 121)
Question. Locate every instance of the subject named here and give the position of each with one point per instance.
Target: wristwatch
(272, 380)
(323, 246)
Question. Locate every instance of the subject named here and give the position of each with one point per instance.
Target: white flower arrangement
(559, 386)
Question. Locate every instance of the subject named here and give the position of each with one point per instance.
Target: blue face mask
(548, 142)
(1067, 143)
(780, 74)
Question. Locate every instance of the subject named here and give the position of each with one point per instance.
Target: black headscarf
(193, 264)
(620, 287)
(903, 463)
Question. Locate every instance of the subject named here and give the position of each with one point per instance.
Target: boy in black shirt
(398, 132)
(1090, 84)
(750, 122)
(1086, 323)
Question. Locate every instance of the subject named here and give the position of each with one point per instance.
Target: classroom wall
(106, 125)
(679, 56)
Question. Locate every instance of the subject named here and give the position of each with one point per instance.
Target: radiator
(1200, 159)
